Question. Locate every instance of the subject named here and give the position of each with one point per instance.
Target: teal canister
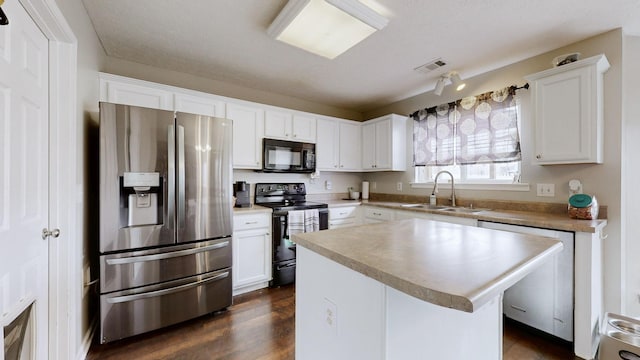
(583, 206)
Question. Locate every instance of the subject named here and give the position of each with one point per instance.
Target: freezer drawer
(140, 268)
(135, 311)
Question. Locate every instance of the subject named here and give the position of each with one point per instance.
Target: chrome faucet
(453, 188)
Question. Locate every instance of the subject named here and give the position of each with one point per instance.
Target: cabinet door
(368, 146)
(138, 95)
(277, 125)
(562, 106)
(567, 103)
(327, 147)
(350, 146)
(383, 144)
(252, 257)
(248, 130)
(304, 128)
(200, 105)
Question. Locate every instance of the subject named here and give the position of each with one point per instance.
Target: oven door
(283, 248)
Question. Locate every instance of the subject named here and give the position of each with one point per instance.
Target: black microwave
(288, 156)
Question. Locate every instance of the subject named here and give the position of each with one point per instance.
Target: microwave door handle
(181, 178)
(171, 176)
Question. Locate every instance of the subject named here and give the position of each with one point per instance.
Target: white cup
(354, 195)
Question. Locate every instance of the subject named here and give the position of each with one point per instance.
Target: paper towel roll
(365, 190)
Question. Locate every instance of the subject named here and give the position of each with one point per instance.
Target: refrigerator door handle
(181, 178)
(146, 295)
(174, 254)
(171, 176)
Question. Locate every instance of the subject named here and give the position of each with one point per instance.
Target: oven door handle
(285, 266)
(127, 298)
(174, 254)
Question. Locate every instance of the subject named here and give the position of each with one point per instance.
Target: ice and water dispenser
(141, 198)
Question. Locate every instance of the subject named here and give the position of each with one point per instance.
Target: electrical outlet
(328, 185)
(546, 190)
(331, 315)
(399, 186)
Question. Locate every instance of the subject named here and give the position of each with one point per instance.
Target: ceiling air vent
(431, 65)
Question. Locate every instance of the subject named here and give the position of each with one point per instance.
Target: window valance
(473, 130)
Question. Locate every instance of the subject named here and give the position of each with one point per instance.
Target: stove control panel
(280, 189)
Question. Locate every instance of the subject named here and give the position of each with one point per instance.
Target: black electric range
(282, 198)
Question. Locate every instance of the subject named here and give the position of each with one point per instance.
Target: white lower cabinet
(346, 216)
(374, 215)
(251, 252)
(544, 298)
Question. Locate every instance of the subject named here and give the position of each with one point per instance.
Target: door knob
(50, 233)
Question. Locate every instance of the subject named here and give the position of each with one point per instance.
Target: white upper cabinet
(200, 104)
(350, 146)
(338, 147)
(248, 131)
(327, 148)
(384, 144)
(567, 107)
(121, 90)
(281, 124)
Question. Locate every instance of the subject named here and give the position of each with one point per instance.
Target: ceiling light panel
(321, 27)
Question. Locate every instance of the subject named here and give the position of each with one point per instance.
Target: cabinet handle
(286, 135)
(335, 166)
(341, 165)
(539, 156)
(518, 308)
(295, 136)
(250, 222)
(377, 214)
(556, 319)
(343, 213)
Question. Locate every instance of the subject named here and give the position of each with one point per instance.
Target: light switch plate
(548, 190)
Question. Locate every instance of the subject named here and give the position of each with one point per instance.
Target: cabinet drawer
(379, 214)
(343, 212)
(251, 221)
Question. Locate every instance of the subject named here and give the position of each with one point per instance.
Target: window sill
(477, 186)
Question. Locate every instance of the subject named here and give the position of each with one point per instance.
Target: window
(475, 138)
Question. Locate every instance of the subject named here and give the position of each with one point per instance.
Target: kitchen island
(410, 289)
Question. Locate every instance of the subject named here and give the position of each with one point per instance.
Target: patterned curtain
(473, 130)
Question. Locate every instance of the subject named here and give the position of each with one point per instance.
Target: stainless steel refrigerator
(165, 218)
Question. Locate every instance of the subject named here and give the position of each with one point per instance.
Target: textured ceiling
(226, 40)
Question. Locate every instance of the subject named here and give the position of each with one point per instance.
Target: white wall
(603, 180)
(631, 171)
(91, 59)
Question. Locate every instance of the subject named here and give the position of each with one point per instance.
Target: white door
(24, 174)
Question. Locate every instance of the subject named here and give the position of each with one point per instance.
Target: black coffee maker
(241, 192)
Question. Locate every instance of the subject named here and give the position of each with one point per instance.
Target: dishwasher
(544, 298)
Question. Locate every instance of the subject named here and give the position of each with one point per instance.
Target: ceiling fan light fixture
(440, 85)
(325, 27)
(457, 81)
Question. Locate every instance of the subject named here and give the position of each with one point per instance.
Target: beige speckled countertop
(455, 266)
(249, 210)
(547, 220)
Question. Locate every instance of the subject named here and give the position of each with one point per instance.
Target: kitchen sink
(458, 209)
(464, 210)
(426, 206)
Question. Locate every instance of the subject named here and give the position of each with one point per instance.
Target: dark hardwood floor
(260, 325)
